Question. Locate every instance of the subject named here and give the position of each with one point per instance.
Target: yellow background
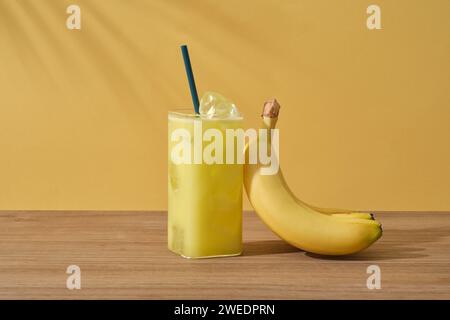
(365, 120)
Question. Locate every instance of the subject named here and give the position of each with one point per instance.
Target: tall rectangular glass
(204, 192)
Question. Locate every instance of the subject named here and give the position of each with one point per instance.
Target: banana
(297, 223)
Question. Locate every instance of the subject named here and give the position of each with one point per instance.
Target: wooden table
(124, 255)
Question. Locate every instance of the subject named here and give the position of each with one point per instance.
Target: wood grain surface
(123, 255)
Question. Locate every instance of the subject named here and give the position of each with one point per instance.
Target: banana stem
(269, 123)
(270, 112)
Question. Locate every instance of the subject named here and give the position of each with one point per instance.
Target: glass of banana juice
(204, 195)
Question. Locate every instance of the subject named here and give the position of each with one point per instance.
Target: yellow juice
(205, 200)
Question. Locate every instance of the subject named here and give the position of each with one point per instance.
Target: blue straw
(190, 76)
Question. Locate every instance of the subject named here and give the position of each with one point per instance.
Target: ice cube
(214, 105)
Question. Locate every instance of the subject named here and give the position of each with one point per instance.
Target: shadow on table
(267, 247)
(395, 244)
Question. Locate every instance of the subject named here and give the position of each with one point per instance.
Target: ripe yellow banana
(328, 233)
